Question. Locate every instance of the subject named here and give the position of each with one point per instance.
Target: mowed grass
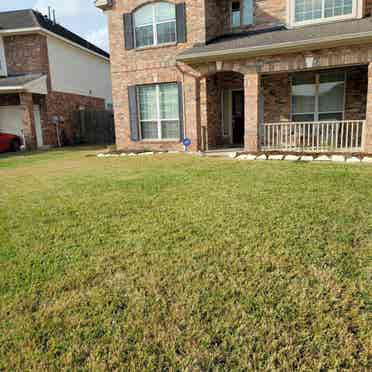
(175, 262)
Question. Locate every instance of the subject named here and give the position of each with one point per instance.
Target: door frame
(229, 110)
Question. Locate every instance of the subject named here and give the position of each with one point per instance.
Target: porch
(318, 111)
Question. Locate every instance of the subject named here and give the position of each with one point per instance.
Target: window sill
(159, 46)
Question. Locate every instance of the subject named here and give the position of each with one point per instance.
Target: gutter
(43, 31)
(277, 48)
(19, 88)
(28, 87)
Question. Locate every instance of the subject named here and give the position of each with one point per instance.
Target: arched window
(155, 24)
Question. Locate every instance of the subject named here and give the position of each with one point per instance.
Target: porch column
(368, 128)
(191, 88)
(203, 114)
(28, 120)
(251, 103)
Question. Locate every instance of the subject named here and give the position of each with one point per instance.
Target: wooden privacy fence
(94, 127)
(321, 136)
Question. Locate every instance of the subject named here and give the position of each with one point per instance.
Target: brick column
(191, 88)
(204, 114)
(28, 120)
(368, 128)
(251, 103)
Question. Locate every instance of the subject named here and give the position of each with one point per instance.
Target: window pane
(149, 130)
(303, 94)
(144, 36)
(170, 129)
(169, 101)
(147, 102)
(235, 13)
(306, 10)
(166, 32)
(247, 12)
(331, 92)
(143, 16)
(165, 12)
(334, 8)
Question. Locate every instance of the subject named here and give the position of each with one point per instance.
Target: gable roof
(281, 38)
(29, 18)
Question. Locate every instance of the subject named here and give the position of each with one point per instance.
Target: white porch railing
(318, 136)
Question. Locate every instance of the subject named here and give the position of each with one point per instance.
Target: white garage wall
(76, 71)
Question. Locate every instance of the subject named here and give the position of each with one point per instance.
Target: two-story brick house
(283, 75)
(46, 74)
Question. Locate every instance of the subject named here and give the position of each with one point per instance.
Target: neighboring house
(47, 73)
(293, 75)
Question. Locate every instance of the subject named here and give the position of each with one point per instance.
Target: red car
(10, 142)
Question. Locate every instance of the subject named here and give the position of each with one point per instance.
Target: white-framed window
(313, 11)
(3, 69)
(155, 24)
(241, 12)
(159, 111)
(318, 96)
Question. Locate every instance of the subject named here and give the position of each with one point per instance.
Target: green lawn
(176, 262)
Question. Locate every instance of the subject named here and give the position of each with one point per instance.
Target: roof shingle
(29, 18)
(277, 37)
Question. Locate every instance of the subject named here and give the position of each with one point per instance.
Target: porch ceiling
(282, 40)
(32, 83)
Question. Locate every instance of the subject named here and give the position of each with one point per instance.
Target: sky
(79, 16)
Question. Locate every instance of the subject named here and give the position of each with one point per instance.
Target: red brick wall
(276, 97)
(150, 65)
(356, 93)
(64, 105)
(267, 13)
(26, 53)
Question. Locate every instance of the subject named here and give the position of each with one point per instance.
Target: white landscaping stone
(173, 152)
(123, 154)
(353, 159)
(276, 157)
(246, 157)
(132, 154)
(100, 155)
(338, 158)
(145, 153)
(367, 159)
(261, 157)
(292, 157)
(323, 158)
(307, 158)
(107, 155)
(232, 155)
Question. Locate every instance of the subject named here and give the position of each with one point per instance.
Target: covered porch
(307, 111)
(314, 111)
(286, 91)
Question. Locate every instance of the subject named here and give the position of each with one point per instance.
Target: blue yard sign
(186, 142)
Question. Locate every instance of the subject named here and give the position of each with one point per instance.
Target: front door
(238, 117)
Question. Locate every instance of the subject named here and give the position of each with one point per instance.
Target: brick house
(47, 73)
(273, 75)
